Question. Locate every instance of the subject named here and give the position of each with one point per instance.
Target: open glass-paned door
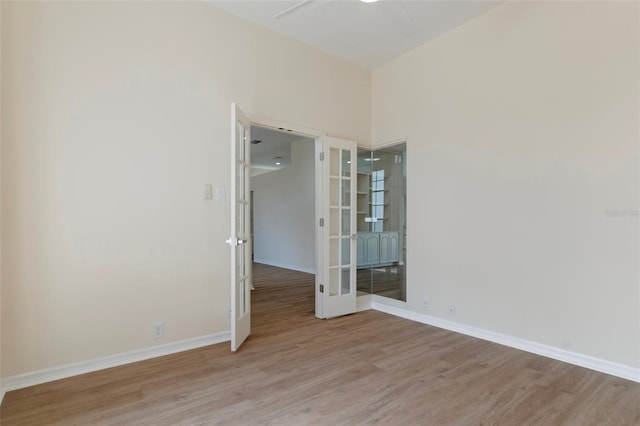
(336, 280)
(240, 241)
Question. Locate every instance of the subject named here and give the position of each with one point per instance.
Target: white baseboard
(82, 367)
(363, 303)
(593, 363)
(285, 266)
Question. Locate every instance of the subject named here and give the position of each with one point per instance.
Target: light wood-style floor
(366, 368)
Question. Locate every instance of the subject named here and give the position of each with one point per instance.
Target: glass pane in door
(340, 227)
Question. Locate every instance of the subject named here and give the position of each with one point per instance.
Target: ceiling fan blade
(293, 9)
(397, 13)
(304, 6)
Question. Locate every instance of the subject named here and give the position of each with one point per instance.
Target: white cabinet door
(388, 247)
(377, 248)
(393, 247)
(372, 248)
(360, 250)
(384, 247)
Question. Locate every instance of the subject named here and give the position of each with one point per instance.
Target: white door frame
(317, 136)
(282, 126)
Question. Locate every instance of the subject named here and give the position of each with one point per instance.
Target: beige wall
(1, 201)
(523, 136)
(284, 212)
(114, 116)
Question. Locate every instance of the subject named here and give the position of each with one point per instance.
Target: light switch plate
(208, 191)
(220, 194)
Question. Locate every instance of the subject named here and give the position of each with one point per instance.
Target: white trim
(383, 145)
(308, 132)
(63, 371)
(388, 301)
(285, 266)
(319, 303)
(363, 303)
(593, 363)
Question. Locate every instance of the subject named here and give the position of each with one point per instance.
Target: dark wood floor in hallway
(365, 368)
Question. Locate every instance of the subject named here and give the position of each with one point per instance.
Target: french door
(240, 241)
(336, 174)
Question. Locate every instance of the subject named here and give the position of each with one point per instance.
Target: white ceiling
(368, 34)
(274, 147)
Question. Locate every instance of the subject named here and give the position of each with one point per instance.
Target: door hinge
(322, 156)
(322, 221)
(321, 288)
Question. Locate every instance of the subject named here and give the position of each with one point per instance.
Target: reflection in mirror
(382, 230)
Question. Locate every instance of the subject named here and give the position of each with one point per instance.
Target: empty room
(455, 243)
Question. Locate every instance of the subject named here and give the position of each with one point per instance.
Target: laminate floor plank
(361, 369)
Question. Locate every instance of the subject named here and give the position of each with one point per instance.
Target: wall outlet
(157, 330)
(425, 305)
(451, 309)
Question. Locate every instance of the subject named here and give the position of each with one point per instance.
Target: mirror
(382, 230)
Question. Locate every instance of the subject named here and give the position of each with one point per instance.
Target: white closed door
(336, 257)
(240, 241)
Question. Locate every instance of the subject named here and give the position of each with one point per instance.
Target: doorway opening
(304, 204)
(283, 199)
(330, 198)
